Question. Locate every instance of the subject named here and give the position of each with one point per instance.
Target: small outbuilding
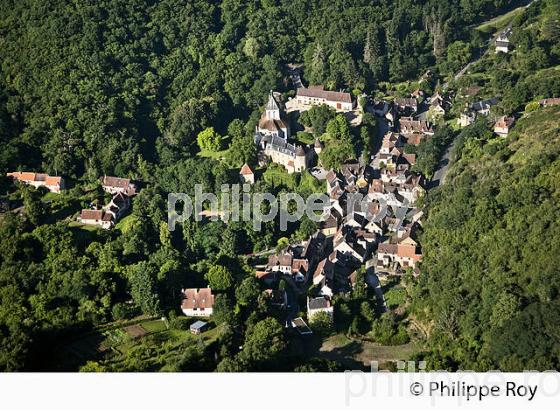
(246, 175)
(198, 327)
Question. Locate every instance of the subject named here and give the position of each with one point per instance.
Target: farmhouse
(316, 95)
(108, 216)
(53, 184)
(97, 217)
(115, 185)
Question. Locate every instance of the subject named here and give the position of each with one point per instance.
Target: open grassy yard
(358, 354)
(127, 344)
(126, 223)
(90, 228)
(217, 155)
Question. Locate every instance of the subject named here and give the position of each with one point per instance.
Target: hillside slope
(490, 287)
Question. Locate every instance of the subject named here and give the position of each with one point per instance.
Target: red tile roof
(246, 170)
(504, 122)
(198, 298)
(297, 264)
(91, 214)
(33, 176)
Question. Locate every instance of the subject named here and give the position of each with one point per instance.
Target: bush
(322, 324)
(123, 311)
(180, 323)
(386, 331)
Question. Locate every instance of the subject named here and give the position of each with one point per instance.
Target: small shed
(198, 327)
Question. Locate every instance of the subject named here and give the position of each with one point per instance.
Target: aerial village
(353, 238)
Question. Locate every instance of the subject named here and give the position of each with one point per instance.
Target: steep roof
(246, 170)
(325, 268)
(272, 104)
(300, 264)
(408, 251)
(406, 102)
(198, 325)
(271, 125)
(410, 125)
(387, 248)
(284, 259)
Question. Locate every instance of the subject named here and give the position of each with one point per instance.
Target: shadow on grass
(345, 356)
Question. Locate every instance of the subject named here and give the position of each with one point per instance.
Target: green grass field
(90, 228)
(154, 326)
(499, 22)
(126, 223)
(354, 352)
(147, 339)
(217, 155)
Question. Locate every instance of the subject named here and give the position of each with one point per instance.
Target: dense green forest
(102, 87)
(489, 293)
(490, 284)
(125, 88)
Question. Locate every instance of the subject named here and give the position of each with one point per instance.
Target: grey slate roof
(319, 303)
(199, 324)
(272, 104)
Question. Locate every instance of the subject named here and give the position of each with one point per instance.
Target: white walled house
(502, 41)
(406, 255)
(466, 119)
(53, 184)
(320, 304)
(97, 217)
(197, 302)
(317, 95)
(503, 125)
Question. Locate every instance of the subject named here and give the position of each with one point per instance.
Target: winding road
(439, 176)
